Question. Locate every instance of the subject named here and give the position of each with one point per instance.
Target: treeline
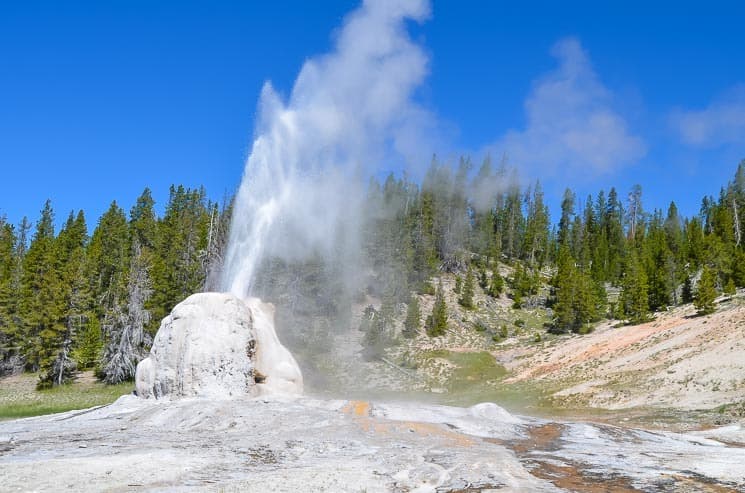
(654, 259)
(71, 301)
(609, 258)
(453, 222)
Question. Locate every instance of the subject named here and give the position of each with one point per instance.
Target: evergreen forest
(91, 297)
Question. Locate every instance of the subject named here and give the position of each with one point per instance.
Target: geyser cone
(216, 345)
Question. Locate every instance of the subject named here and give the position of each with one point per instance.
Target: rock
(216, 345)
(204, 348)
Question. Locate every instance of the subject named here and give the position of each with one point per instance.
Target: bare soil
(677, 361)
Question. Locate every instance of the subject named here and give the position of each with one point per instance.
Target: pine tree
(108, 254)
(674, 229)
(512, 221)
(413, 318)
(143, 233)
(614, 232)
(178, 269)
(377, 326)
(694, 242)
(75, 300)
(89, 345)
(536, 228)
(9, 337)
(143, 222)
(729, 288)
(41, 298)
(483, 278)
(458, 229)
(12, 303)
(109, 260)
(635, 213)
(706, 293)
(564, 293)
(38, 287)
(567, 213)
(687, 294)
(658, 260)
(578, 301)
(738, 268)
(483, 199)
(496, 285)
(437, 322)
(466, 298)
(634, 296)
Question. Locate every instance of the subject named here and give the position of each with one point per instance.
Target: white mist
(349, 111)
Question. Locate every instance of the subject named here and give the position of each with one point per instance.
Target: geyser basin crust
(302, 444)
(216, 345)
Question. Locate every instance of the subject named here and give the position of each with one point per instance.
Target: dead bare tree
(738, 234)
(217, 242)
(126, 328)
(635, 209)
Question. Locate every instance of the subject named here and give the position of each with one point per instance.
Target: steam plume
(348, 110)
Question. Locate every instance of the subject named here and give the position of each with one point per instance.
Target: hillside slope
(676, 362)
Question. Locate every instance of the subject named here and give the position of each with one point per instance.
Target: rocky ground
(305, 444)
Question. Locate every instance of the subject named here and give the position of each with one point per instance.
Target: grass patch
(522, 398)
(479, 378)
(20, 399)
(472, 367)
(474, 371)
(533, 318)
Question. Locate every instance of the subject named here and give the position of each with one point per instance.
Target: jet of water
(349, 111)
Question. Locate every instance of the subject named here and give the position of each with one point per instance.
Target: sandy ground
(676, 361)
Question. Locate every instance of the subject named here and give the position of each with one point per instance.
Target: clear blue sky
(101, 99)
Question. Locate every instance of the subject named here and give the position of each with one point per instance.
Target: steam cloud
(572, 125)
(720, 123)
(349, 109)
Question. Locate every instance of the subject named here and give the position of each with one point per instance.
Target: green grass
(522, 398)
(20, 399)
(472, 366)
(479, 378)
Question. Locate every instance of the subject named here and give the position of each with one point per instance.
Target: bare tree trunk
(127, 329)
(738, 235)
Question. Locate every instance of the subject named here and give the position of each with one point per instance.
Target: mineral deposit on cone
(209, 347)
(276, 369)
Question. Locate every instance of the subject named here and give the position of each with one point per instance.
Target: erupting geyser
(349, 110)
